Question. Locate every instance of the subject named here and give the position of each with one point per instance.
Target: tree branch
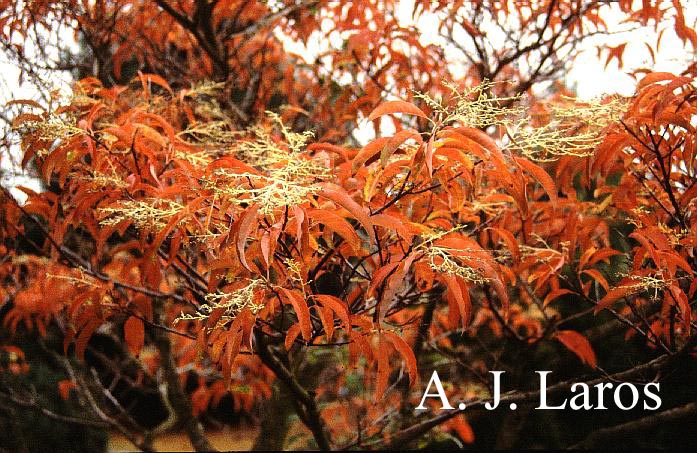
(596, 438)
(310, 412)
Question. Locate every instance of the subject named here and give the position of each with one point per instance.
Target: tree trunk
(178, 399)
(275, 420)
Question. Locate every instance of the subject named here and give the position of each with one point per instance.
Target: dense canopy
(218, 237)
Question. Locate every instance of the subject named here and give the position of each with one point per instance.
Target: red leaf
(337, 224)
(134, 333)
(244, 227)
(602, 255)
(613, 295)
(647, 246)
(301, 310)
(337, 306)
(407, 354)
(291, 335)
(542, 177)
(64, 388)
(84, 337)
(578, 344)
(339, 196)
(686, 311)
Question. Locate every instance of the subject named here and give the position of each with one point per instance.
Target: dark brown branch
(179, 400)
(32, 404)
(193, 27)
(645, 424)
(308, 410)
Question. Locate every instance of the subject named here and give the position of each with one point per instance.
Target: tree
(210, 213)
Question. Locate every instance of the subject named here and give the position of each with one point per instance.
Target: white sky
(588, 74)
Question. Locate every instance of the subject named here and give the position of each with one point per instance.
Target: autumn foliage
(217, 214)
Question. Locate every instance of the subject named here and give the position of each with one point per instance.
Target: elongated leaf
(613, 295)
(395, 141)
(509, 240)
(407, 354)
(134, 334)
(383, 374)
(578, 344)
(338, 224)
(390, 107)
(301, 310)
(340, 197)
(555, 294)
(368, 152)
(460, 296)
(542, 177)
(487, 143)
(291, 335)
(380, 275)
(244, 227)
(338, 306)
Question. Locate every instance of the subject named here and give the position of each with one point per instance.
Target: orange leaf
(339, 196)
(134, 333)
(337, 306)
(407, 354)
(337, 224)
(154, 78)
(291, 335)
(460, 296)
(401, 226)
(647, 246)
(463, 429)
(390, 107)
(383, 375)
(395, 141)
(486, 142)
(578, 344)
(542, 177)
(555, 294)
(244, 227)
(301, 310)
(64, 388)
(368, 151)
(598, 277)
(602, 255)
(613, 295)
(380, 275)
(326, 317)
(509, 240)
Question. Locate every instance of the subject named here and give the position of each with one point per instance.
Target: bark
(275, 421)
(178, 399)
(303, 400)
(598, 438)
